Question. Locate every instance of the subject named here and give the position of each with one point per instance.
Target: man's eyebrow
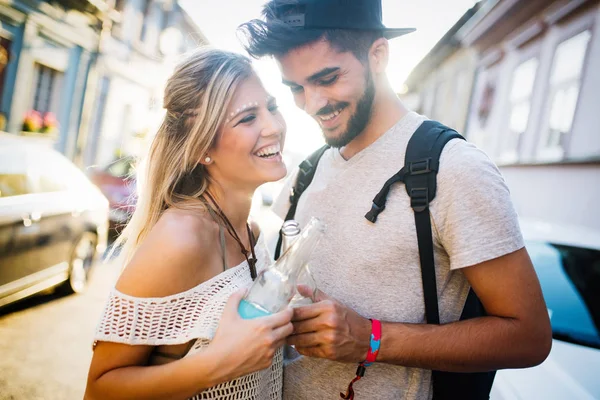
(313, 77)
(322, 73)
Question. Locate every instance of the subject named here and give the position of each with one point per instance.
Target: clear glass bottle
(275, 286)
(290, 231)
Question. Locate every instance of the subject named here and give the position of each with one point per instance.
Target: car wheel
(81, 263)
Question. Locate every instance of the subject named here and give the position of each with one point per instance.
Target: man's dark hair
(272, 37)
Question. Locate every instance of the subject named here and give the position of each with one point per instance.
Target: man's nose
(314, 101)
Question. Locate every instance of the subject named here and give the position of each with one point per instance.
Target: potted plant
(32, 122)
(49, 124)
(40, 124)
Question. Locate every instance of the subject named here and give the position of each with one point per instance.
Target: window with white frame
(565, 82)
(519, 109)
(479, 131)
(47, 89)
(46, 79)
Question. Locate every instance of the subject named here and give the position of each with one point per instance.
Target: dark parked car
(53, 222)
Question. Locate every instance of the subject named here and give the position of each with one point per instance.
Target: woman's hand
(249, 345)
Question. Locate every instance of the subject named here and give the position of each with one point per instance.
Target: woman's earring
(207, 159)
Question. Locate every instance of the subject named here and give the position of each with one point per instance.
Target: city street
(108, 106)
(46, 341)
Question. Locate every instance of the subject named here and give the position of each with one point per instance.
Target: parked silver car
(53, 222)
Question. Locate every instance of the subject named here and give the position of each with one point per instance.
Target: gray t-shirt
(374, 268)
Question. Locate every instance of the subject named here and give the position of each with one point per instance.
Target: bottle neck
(297, 256)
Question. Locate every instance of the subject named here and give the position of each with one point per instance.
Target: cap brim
(390, 33)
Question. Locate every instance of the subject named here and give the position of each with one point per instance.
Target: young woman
(171, 329)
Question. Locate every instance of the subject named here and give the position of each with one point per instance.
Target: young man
(333, 56)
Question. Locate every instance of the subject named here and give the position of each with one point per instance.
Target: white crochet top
(193, 314)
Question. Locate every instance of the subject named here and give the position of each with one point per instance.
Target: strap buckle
(295, 192)
(374, 212)
(419, 199)
(420, 167)
(305, 167)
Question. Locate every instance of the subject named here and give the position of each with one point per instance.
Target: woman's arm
(240, 347)
(168, 263)
(118, 372)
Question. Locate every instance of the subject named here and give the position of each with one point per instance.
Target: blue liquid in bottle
(248, 310)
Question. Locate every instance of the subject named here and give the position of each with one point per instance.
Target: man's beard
(359, 120)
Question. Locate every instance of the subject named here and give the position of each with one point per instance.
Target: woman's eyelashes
(250, 118)
(247, 119)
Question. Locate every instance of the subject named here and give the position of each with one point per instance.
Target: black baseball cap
(336, 14)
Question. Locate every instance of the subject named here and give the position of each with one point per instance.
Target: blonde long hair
(196, 99)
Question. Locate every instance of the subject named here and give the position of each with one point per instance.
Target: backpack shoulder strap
(421, 164)
(306, 173)
(422, 161)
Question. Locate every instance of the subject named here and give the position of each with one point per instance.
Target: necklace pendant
(252, 265)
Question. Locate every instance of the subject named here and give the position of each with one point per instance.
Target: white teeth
(269, 150)
(330, 116)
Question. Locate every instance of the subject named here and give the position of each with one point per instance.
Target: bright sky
(218, 21)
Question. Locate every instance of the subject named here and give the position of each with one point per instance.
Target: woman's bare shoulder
(170, 258)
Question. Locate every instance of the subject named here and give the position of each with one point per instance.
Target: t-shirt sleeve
(281, 205)
(472, 211)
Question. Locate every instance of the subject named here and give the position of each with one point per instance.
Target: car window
(570, 280)
(13, 172)
(54, 173)
(13, 184)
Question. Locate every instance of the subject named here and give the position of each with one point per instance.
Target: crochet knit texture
(193, 314)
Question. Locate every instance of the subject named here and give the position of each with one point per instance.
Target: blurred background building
(134, 62)
(46, 52)
(520, 80)
(86, 75)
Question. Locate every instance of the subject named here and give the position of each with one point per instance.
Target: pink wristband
(371, 357)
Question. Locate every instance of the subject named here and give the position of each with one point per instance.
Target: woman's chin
(277, 174)
(274, 174)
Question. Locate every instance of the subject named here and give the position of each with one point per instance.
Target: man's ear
(379, 56)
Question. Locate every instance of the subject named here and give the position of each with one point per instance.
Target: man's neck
(386, 112)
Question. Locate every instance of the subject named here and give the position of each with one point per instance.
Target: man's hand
(328, 329)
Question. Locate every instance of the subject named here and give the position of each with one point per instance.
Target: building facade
(519, 79)
(46, 53)
(534, 108)
(134, 63)
(440, 85)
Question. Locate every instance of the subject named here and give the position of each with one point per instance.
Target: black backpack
(419, 176)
